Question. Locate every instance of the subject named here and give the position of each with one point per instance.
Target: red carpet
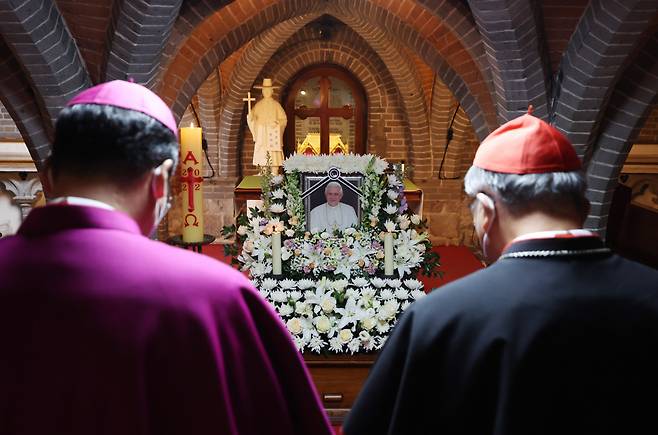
(456, 261)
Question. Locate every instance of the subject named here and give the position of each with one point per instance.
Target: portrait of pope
(333, 214)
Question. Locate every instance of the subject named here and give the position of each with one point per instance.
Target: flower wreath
(335, 296)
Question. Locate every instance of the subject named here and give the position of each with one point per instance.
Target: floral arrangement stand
(339, 292)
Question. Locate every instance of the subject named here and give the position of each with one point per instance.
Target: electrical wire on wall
(204, 144)
(449, 135)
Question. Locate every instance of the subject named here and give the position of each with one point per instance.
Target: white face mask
(162, 205)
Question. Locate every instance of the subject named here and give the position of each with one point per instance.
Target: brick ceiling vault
(36, 33)
(21, 103)
(211, 43)
(602, 45)
(137, 39)
(631, 103)
(514, 44)
(395, 62)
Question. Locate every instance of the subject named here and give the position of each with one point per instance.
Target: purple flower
(371, 269)
(344, 249)
(403, 205)
(376, 245)
(289, 243)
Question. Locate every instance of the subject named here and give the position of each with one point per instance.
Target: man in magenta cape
(104, 331)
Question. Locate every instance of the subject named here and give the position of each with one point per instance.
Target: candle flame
(191, 124)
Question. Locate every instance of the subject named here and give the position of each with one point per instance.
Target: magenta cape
(103, 331)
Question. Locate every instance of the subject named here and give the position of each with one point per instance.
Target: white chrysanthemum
(383, 327)
(325, 235)
(345, 335)
(393, 180)
(391, 209)
(328, 304)
(415, 219)
(316, 344)
(294, 325)
(277, 179)
(395, 283)
(352, 293)
(405, 305)
(264, 293)
(339, 284)
(268, 284)
(299, 343)
(322, 324)
(368, 342)
(279, 296)
(360, 282)
(386, 294)
(392, 194)
(305, 283)
(285, 310)
(417, 294)
(402, 294)
(335, 344)
(277, 208)
(378, 282)
(295, 295)
(404, 222)
(354, 345)
(242, 230)
(368, 323)
(389, 225)
(278, 194)
(290, 233)
(413, 284)
(301, 307)
(287, 284)
(367, 292)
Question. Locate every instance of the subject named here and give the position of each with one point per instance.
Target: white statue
(333, 214)
(266, 121)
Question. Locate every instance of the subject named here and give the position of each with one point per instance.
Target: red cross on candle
(190, 180)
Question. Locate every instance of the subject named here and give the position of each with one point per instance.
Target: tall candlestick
(276, 253)
(191, 177)
(388, 254)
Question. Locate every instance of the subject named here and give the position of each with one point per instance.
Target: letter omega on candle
(192, 183)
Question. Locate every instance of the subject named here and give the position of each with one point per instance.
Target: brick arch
(146, 23)
(215, 38)
(515, 28)
(252, 60)
(21, 103)
(458, 18)
(36, 32)
(631, 103)
(380, 89)
(182, 77)
(444, 54)
(403, 72)
(395, 61)
(598, 51)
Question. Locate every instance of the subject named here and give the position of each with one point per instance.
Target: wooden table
(249, 189)
(339, 379)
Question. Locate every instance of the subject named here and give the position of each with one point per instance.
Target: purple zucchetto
(130, 96)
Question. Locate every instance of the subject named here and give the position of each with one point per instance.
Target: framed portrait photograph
(332, 202)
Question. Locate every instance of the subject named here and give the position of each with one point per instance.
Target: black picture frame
(313, 192)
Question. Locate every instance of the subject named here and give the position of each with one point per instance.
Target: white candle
(388, 254)
(276, 253)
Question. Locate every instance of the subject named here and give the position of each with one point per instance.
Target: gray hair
(552, 191)
(333, 184)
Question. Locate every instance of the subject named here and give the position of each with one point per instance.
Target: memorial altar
(338, 289)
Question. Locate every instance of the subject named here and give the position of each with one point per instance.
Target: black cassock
(558, 336)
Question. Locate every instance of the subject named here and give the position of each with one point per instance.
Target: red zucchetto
(526, 145)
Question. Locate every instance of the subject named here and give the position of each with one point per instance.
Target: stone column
(25, 192)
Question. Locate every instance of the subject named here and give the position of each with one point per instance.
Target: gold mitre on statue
(267, 83)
